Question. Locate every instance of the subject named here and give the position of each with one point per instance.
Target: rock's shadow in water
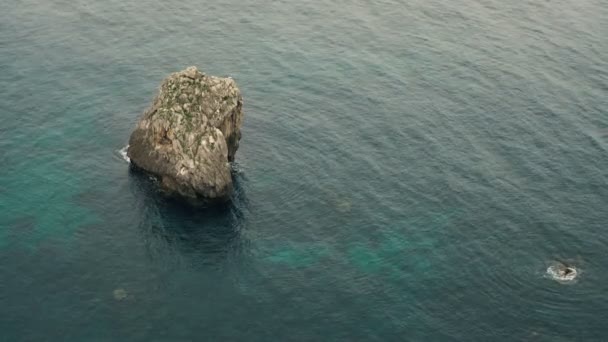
(190, 227)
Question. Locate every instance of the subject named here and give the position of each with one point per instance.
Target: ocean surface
(408, 171)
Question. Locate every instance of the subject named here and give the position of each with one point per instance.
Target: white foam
(556, 272)
(123, 153)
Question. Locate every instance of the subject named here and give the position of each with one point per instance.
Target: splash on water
(123, 154)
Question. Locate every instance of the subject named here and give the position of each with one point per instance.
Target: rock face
(190, 134)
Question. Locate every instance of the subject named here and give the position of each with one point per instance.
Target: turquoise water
(408, 171)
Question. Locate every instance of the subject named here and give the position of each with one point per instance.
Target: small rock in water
(120, 294)
(562, 272)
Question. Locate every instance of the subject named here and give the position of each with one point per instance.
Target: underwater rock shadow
(189, 227)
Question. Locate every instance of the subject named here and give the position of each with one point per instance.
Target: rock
(562, 272)
(190, 134)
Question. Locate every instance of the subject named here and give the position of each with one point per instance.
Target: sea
(409, 171)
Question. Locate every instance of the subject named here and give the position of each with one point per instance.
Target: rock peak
(192, 72)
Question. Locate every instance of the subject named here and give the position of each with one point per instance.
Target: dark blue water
(408, 170)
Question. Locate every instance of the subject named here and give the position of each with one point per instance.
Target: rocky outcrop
(190, 134)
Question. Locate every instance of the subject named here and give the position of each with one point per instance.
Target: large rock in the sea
(190, 135)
